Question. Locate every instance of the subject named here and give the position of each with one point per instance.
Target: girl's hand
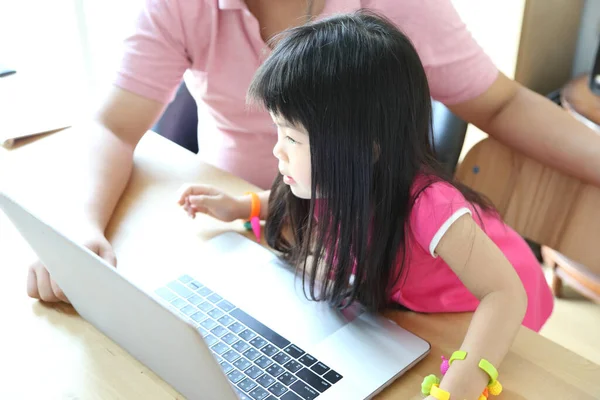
(212, 201)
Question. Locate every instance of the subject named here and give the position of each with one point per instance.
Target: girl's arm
(206, 199)
(486, 272)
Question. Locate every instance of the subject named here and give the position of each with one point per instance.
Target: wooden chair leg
(557, 283)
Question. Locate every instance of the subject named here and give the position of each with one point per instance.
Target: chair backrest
(179, 121)
(448, 135)
(540, 203)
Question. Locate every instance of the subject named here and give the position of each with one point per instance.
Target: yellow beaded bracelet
(457, 355)
(494, 385)
(439, 394)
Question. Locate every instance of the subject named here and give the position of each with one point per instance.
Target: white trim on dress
(444, 228)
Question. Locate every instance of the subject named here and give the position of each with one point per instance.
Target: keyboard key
(252, 354)
(198, 317)
(307, 360)
(260, 328)
(269, 350)
(320, 368)
(277, 389)
(247, 385)
(185, 279)
(225, 305)
(202, 331)
(220, 348)
(290, 396)
(230, 338)
(236, 327)
(226, 367)
(266, 380)
(178, 302)
(253, 372)
(216, 313)
(275, 370)
(195, 300)
(287, 379)
(209, 323)
(247, 335)
(219, 331)
(188, 310)
(235, 376)
(313, 380)
(259, 394)
(231, 356)
(210, 340)
(304, 391)
(194, 285)
(271, 398)
(281, 358)
(214, 298)
(332, 376)
(204, 291)
(263, 362)
(293, 366)
(226, 320)
(218, 358)
(206, 306)
(241, 346)
(242, 364)
(258, 342)
(166, 294)
(242, 395)
(294, 351)
(180, 289)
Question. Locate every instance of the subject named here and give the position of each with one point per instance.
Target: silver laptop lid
(151, 333)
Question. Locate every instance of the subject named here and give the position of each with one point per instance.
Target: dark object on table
(5, 71)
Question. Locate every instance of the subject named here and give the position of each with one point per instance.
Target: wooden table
(48, 352)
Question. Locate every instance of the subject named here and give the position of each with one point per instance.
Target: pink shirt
(431, 286)
(219, 45)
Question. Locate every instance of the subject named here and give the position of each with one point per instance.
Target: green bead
(428, 382)
(248, 225)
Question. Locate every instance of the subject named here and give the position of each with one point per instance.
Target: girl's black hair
(357, 85)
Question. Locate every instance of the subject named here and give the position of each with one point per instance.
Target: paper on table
(27, 110)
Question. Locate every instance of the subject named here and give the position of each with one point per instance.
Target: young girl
(362, 201)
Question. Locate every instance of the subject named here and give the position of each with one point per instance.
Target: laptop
(235, 326)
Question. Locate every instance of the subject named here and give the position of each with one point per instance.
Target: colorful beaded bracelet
(430, 384)
(253, 222)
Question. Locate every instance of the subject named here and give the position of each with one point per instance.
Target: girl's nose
(278, 151)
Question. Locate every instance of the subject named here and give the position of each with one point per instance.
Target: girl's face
(293, 152)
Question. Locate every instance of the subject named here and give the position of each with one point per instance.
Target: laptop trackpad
(254, 279)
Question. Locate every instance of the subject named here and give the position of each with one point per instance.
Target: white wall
(588, 38)
(72, 44)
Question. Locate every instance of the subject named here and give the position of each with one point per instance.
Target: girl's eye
(289, 139)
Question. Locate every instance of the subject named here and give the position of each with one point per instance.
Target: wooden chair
(550, 208)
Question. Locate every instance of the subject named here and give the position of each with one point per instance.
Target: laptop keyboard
(260, 363)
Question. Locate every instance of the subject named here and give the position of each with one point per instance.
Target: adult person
(221, 43)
